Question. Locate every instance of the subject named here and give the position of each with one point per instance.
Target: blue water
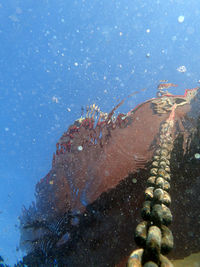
(59, 55)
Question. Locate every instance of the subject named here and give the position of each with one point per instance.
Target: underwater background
(57, 57)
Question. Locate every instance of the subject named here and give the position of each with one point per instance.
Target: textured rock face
(88, 205)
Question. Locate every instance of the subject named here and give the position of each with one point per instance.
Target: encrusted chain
(153, 235)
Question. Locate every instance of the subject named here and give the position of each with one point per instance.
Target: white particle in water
(80, 148)
(55, 99)
(181, 19)
(134, 180)
(197, 156)
(181, 69)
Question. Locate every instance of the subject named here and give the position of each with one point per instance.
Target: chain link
(153, 234)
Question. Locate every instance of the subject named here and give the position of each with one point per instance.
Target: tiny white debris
(197, 156)
(47, 33)
(55, 99)
(148, 55)
(181, 19)
(182, 69)
(134, 180)
(148, 31)
(174, 38)
(76, 64)
(80, 148)
(68, 109)
(7, 129)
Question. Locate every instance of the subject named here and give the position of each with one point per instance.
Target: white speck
(76, 64)
(174, 38)
(47, 33)
(121, 33)
(197, 156)
(68, 109)
(105, 91)
(181, 69)
(134, 180)
(80, 148)
(181, 19)
(7, 129)
(55, 99)
(148, 55)
(132, 71)
(148, 31)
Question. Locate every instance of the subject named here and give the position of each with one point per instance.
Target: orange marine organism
(166, 85)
